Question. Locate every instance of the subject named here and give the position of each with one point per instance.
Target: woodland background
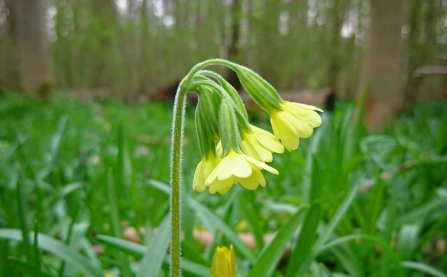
(133, 49)
(84, 146)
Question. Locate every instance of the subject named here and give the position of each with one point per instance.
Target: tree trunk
(36, 72)
(381, 69)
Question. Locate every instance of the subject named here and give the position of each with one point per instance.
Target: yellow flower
(203, 170)
(108, 275)
(259, 144)
(224, 262)
(293, 122)
(237, 168)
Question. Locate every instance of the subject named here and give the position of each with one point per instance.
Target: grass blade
(272, 252)
(58, 249)
(423, 268)
(138, 250)
(153, 258)
(207, 216)
(327, 232)
(305, 240)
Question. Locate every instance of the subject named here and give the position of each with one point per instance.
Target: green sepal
(209, 108)
(231, 91)
(242, 118)
(228, 128)
(262, 92)
(206, 140)
(225, 91)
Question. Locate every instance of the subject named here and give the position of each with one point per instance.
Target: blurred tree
(421, 43)
(9, 70)
(382, 62)
(36, 72)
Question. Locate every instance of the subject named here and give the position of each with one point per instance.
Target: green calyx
(228, 128)
(206, 140)
(208, 105)
(262, 92)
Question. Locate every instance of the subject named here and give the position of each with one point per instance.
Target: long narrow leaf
(206, 215)
(139, 250)
(327, 232)
(272, 252)
(58, 249)
(305, 240)
(153, 258)
(423, 268)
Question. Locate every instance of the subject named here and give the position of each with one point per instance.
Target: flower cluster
(234, 151)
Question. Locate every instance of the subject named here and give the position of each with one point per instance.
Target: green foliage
(74, 174)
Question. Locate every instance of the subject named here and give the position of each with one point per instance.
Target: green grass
(346, 203)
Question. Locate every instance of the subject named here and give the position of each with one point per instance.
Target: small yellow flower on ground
(224, 262)
(203, 170)
(259, 144)
(293, 122)
(108, 275)
(237, 168)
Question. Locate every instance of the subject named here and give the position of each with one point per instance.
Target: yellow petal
(221, 187)
(253, 148)
(284, 130)
(262, 165)
(220, 264)
(305, 113)
(268, 140)
(213, 175)
(253, 181)
(232, 261)
(199, 180)
(249, 149)
(224, 262)
(234, 164)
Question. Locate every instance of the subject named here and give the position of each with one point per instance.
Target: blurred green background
(84, 145)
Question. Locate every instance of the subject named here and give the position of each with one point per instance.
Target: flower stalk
(233, 151)
(176, 179)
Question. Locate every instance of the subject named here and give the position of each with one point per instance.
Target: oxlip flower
(294, 121)
(224, 262)
(203, 170)
(259, 144)
(237, 168)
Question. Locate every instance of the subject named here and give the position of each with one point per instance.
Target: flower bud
(224, 262)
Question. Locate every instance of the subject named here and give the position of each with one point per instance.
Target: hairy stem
(176, 162)
(176, 179)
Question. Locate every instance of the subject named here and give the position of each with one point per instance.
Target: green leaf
(139, 250)
(153, 258)
(272, 252)
(116, 224)
(407, 241)
(328, 231)
(305, 240)
(253, 219)
(209, 217)
(423, 268)
(131, 248)
(58, 249)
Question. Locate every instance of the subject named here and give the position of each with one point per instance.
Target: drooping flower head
(237, 159)
(290, 121)
(233, 150)
(224, 262)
